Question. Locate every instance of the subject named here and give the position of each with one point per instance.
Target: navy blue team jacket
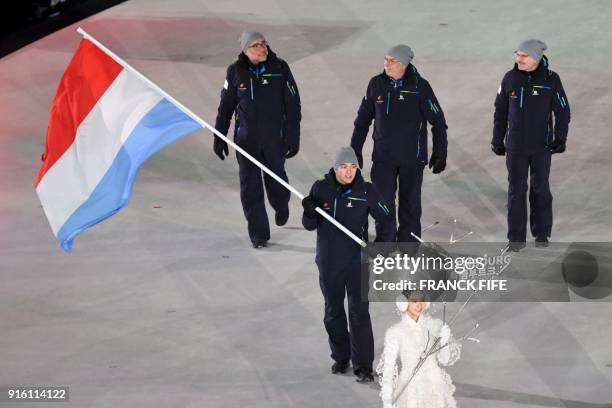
(350, 205)
(401, 110)
(265, 100)
(524, 109)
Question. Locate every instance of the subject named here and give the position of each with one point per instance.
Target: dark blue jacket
(350, 205)
(523, 110)
(401, 110)
(266, 102)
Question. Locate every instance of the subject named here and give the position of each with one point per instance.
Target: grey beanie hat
(535, 48)
(248, 37)
(402, 52)
(345, 155)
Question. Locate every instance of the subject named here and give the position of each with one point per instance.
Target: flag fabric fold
(104, 123)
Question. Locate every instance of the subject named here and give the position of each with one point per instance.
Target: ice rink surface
(166, 304)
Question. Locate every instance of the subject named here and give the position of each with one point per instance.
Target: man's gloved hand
(309, 205)
(557, 146)
(359, 159)
(291, 151)
(220, 147)
(445, 334)
(438, 164)
(499, 150)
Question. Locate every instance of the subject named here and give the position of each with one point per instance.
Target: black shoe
(259, 243)
(281, 217)
(541, 242)
(364, 375)
(340, 368)
(516, 246)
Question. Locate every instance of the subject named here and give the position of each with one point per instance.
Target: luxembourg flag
(105, 122)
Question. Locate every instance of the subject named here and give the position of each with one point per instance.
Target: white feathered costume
(405, 342)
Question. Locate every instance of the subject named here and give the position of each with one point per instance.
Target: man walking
(260, 90)
(344, 195)
(401, 102)
(524, 131)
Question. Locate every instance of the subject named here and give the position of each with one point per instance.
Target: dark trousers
(410, 176)
(355, 343)
(537, 167)
(252, 189)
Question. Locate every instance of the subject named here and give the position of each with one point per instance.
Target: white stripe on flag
(71, 180)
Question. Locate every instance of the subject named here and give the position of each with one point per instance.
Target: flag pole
(201, 121)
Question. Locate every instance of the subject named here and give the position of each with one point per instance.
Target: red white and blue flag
(105, 122)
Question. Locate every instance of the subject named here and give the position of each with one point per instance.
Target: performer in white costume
(406, 342)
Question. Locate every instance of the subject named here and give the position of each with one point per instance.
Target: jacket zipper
(335, 202)
(388, 101)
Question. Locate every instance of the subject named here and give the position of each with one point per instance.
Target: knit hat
(345, 155)
(248, 37)
(534, 48)
(402, 53)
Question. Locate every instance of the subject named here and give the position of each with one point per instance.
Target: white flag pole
(200, 121)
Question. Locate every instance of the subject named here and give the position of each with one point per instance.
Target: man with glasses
(259, 88)
(401, 102)
(523, 131)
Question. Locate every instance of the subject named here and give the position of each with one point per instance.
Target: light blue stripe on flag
(162, 125)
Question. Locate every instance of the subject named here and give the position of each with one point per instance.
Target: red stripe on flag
(87, 77)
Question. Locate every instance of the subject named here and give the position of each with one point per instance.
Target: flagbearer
(260, 90)
(344, 195)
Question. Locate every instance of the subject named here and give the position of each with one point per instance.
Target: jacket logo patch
(379, 99)
(264, 81)
(326, 206)
(242, 87)
(513, 95)
(349, 204)
(535, 92)
(401, 97)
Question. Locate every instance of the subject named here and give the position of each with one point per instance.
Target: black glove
(291, 151)
(557, 146)
(438, 164)
(309, 205)
(220, 147)
(359, 160)
(499, 150)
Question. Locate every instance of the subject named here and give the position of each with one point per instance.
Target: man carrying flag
(260, 89)
(344, 195)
